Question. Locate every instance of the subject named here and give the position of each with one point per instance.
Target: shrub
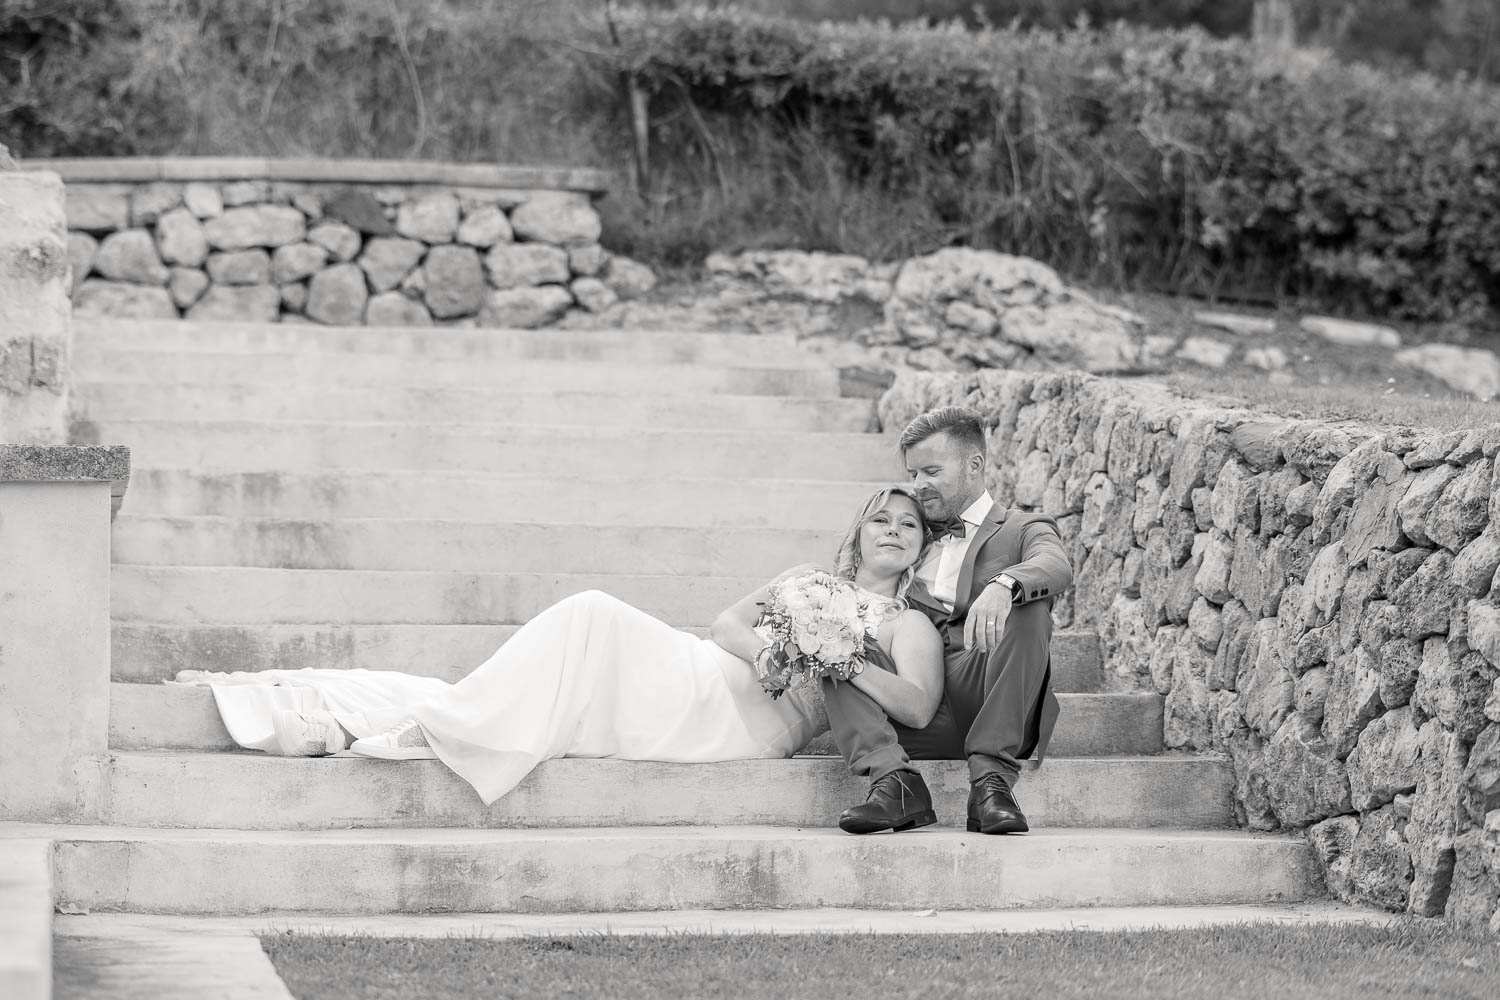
(1170, 159)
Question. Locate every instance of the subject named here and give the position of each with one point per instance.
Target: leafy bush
(1170, 159)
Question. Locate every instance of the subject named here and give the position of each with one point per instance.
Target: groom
(988, 584)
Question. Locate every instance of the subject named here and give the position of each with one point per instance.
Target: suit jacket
(1025, 545)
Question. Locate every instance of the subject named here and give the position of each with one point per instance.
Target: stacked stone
(388, 255)
(1319, 601)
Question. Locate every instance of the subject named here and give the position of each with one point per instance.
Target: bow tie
(953, 526)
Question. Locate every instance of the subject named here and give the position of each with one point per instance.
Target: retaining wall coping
(140, 169)
(40, 463)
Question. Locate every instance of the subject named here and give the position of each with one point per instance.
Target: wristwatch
(1009, 583)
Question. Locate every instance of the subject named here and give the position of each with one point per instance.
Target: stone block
(1433, 826)
(294, 297)
(1385, 761)
(593, 294)
(81, 250)
(337, 296)
(123, 300)
(453, 281)
(180, 238)
(563, 218)
(1332, 843)
(1452, 688)
(1304, 781)
(517, 265)
(431, 218)
(341, 241)
(186, 285)
(1380, 862)
(130, 255)
(298, 261)
(256, 226)
(240, 267)
(525, 307)
(587, 261)
(238, 303)
(395, 309)
(1461, 512)
(150, 202)
(203, 200)
(387, 260)
(484, 226)
(628, 279)
(247, 192)
(98, 208)
(1310, 694)
(1348, 333)
(1353, 700)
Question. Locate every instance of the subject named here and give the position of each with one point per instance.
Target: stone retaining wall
(1319, 601)
(343, 243)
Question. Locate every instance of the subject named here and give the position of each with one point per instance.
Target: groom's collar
(976, 512)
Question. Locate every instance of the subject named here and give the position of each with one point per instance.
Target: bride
(593, 677)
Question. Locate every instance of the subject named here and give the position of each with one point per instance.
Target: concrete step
(477, 345)
(105, 401)
(737, 501)
(234, 595)
(25, 917)
(314, 370)
(182, 717)
(500, 449)
(655, 868)
(250, 791)
(463, 546)
(144, 653)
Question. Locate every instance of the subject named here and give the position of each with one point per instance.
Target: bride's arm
(734, 629)
(911, 694)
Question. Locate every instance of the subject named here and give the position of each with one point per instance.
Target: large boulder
(1465, 369)
(130, 255)
(453, 281)
(240, 303)
(525, 307)
(565, 218)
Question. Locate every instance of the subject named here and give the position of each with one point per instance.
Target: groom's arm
(1044, 570)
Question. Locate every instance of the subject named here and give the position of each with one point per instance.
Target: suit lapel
(982, 534)
(918, 594)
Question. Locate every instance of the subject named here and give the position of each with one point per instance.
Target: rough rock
(256, 226)
(1453, 688)
(1351, 334)
(816, 277)
(1332, 842)
(81, 250)
(1353, 700)
(1186, 713)
(525, 307)
(151, 201)
(1434, 818)
(245, 192)
(1311, 694)
(1304, 781)
(359, 211)
(202, 200)
(386, 260)
(297, 261)
(593, 294)
(130, 255)
(1426, 600)
(1475, 893)
(1385, 761)
(1461, 512)
(431, 218)
(1267, 690)
(1481, 777)
(124, 299)
(628, 279)
(240, 267)
(341, 241)
(1271, 359)
(98, 207)
(1380, 861)
(484, 226)
(294, 297)
(1400, 661)
(452, 281)
(395, 309)
(337, 296)
(522, 265)
(1206, 351)
(587, 261)
(239, 303)
(1464, 369)
(1484, 629)
(181, 239)
(563, 218)
(1236, 322)
(187, 285)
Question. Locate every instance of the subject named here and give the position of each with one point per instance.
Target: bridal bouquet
(813, 625)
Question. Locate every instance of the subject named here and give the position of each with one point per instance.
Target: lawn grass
(1404, 958)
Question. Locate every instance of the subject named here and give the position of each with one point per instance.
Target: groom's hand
(985, 623)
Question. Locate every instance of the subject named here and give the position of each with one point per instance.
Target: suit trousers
(996, 708)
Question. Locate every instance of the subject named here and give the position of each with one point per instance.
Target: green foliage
(1165, 159)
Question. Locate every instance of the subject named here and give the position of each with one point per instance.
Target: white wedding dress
(589, 677)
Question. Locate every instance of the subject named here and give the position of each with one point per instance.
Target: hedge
(1165, 158)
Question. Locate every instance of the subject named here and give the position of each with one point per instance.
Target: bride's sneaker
(307, 734)
(403, 741)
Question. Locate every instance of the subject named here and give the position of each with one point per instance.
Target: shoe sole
(1007, 827)
(926, 818)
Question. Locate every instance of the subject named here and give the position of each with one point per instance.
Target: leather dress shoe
(992, 807)
(898, 801)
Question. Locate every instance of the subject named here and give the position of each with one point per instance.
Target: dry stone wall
(1318, 601)
(342, 253)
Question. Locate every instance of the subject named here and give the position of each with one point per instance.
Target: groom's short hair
(963, 425)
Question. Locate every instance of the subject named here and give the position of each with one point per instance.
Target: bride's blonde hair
(846, 563)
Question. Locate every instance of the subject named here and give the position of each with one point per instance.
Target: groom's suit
(997, 707)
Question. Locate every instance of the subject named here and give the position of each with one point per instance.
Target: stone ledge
(192, 168)
(36, 463)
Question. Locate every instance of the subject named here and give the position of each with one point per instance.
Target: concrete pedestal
(35, 312)
(55, 507)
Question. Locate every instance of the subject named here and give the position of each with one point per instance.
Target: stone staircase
(404, 499)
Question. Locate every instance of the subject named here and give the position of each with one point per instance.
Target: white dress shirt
(939, 571)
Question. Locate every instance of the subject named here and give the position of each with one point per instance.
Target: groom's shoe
(992, 807)
(898, 801)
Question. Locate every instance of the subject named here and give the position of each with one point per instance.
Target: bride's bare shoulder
(915, 623)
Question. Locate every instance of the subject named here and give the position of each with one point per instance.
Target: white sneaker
(403, 741)
(307, 734)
